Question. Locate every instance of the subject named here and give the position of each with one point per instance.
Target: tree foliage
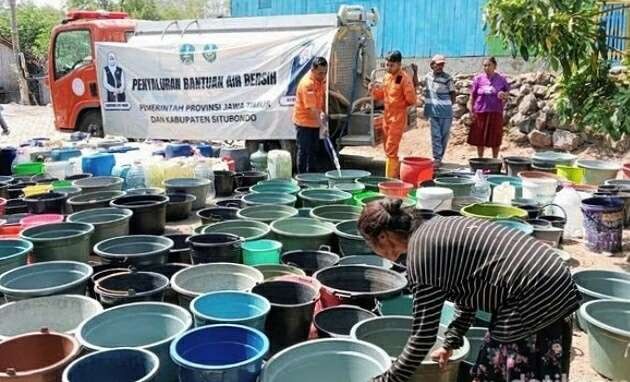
(146, 9)
(570, 36)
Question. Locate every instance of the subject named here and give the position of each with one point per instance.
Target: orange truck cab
(72, 69)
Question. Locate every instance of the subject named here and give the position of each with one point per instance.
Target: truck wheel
(92, 123)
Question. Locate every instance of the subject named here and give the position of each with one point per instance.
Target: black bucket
(101, 271)
(215, 248)
(515, 165)
(17, 190)
(180, 253)
(223, 183)
(217, 214)
(448, 213)
(291, 314)
(531, 206)
(167, 270)
(233, 203)
(43, 179)
(310, 261)
(149, 213)
(15, 206)
(179, 206)
(127, 287)
(249, 178)
(337, 321)
(78, 176)
(487, 165)
(47, 203)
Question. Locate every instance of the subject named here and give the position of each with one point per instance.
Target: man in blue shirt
(439, 97)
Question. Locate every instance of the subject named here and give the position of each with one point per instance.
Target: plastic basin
(215, 248)
(39, 356)
(462, 187)
(149, 213)
(272, 271)
(337, 321)
(45, 279)
(46, 203)
(371, 182)
(60, 241)
(608, 324)
(373, 260)
(346, 175)
(217, 214)
(596, 172)
(553, 158)
(62, 313)
(245, 229)
(302, 233)
(120, 365)
(391, 334)
(99, 183)
(266, 213)
(179, 206)
(193, 186)
(146, 325)
(600, 284)
(194, 281)
(350, 241)
(257, 252)
(92, 200)
(572, 173)
(336, 213)
(220, 353)
(395, 189)
(312, 179)
(316, 197)
(230, 307)
(134, 250)
(127, 287)
(279, 188)
(487, 165)
(331, 359)
(493, 211)
(13, 253)
(108, 222)
(273, 198)
(514, 181)
(310, 261)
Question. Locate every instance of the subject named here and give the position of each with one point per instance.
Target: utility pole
(15, 41)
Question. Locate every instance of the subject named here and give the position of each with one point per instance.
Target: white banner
(215, 86)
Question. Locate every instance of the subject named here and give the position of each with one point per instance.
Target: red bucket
(35, 220)
(416, 170)
(626, 170)
(395, 189)
(3, 205)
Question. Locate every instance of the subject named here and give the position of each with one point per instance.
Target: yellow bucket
(572, 173)
(37, 189)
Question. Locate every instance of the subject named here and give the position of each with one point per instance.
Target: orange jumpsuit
(398, 93)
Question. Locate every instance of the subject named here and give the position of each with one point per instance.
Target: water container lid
(434, 193)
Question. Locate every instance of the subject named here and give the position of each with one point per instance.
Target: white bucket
(542, 190)
(58, 169)
(434, 198)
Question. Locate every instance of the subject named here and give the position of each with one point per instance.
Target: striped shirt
(480, 265)
(437, 95)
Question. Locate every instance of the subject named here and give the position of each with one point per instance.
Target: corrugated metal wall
(418, 28)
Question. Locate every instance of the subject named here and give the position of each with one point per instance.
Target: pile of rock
(529, 113)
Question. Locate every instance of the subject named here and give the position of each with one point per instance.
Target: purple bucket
(603, 223)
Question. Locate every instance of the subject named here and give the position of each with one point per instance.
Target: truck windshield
(73, 49)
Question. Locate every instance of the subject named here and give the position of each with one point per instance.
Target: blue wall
(418, 28)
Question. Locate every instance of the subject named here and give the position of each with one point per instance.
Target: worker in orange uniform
(398, 93)
(309, 116)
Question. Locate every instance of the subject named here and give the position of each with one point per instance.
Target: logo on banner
(187, 53)
(114, 84)
(210, 52)
(300, 65)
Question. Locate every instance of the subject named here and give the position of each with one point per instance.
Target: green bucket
(572, 173)
(267, 213)
(273, 198)
(350, 241)
(353, 188)
(28, 169)
(247, 229)
(61, 184)
(316, 197)
(312, 179)
(493, 211)
(60, 241)
(461, 187)
(257, 252)
(282, 188)
(371, 182)
(302, 233)
(362, 200)
(336, 213)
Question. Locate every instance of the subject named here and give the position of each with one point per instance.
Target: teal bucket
(14, 253)
(150, 326)
(274, 198)
(350, 241)
(267, 213)
(312, 179)
(108, 222)
(230, 307)
(330, 360)
(278, 188)
(302, 233)
(353, 188)
(336, 213)
(60, 241)
(594, 284)
(323, 196)
(120, 365)
(608, 323)
(462, 187)
(596, 172)
(256, 252)
(391, 334)
(246, 229)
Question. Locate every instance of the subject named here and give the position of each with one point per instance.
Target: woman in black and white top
(478, 265)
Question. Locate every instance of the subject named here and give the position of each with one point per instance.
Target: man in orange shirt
(309, 116)
(397, 92)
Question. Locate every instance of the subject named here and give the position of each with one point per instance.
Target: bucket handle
(566, 216)
(627, 352)
(346, 295)
(325, 248)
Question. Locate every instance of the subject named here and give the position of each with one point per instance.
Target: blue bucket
(120, 365)
(147, 325)
(230, 307)
(220, 353)
(13, 253)
(100, 164)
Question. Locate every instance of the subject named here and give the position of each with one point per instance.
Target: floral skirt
(544, 356)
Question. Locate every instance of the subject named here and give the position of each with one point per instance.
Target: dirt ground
(28, 122)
